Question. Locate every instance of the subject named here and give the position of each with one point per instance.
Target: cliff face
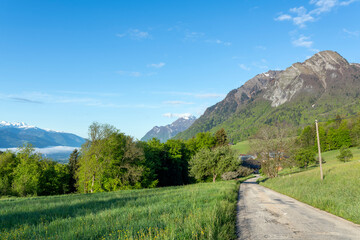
(324, 76)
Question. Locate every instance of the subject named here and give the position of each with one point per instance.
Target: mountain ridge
(164, 133)
(326, 79)
(13, 135)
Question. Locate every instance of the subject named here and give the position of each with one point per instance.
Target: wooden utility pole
(319, 149)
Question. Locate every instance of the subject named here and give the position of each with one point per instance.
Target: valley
(149, 120)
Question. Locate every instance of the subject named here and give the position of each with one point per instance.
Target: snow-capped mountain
(163, 133)
(13, 135)
(15, 124)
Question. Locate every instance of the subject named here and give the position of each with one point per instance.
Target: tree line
(111, 160)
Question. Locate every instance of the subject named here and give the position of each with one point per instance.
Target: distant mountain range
(319, 88)
(164, 133)
(13, 135)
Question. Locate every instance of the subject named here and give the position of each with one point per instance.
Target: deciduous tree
(213, 162)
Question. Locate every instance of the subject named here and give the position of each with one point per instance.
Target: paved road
(265, 214)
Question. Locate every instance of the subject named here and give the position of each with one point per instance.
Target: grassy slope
(241, 147)
(198, 211)
(338, 193)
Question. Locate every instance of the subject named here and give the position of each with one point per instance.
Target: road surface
(265, 214)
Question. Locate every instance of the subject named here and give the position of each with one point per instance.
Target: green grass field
(241, 147)
(338, 193)
(197, 211)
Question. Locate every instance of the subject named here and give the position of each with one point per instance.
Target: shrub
(345, 154)
(304, 157)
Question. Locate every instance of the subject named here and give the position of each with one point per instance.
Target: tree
(73, 167)
(54, 178)
(200, 141)
(355, 130)
(177, 163)
(213, 162)
(305, 156)
(221, 138)
(8, 162)
(155, 154)
(27, 172)
(355, 133)
(110, 161)
(308, 137)
(272, 145)
(91, 164)
(345, 154)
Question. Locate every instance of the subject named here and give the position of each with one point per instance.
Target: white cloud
(177, 115)
(351, 33)
(178, 103)
(244, 67)
(345, 3)
(156, 65)
(302, 19)
(134, 34)
(300, 15)
(323, 5)
(303, 41)
(283, 17)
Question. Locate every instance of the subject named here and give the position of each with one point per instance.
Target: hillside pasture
(241, 147)
(338, 193)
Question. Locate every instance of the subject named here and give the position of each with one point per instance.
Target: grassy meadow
(241, 147)
(338, 193)
(197, 211)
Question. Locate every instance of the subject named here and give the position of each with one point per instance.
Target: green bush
(345, 154)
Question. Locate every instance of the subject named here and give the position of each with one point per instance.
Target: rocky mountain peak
(163, 133)
(323, 62)
(329, 60)
(321, 70)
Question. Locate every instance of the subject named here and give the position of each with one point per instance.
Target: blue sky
(137, 64)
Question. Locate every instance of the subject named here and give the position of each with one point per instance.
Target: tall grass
(338, 193)
(198, 211)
